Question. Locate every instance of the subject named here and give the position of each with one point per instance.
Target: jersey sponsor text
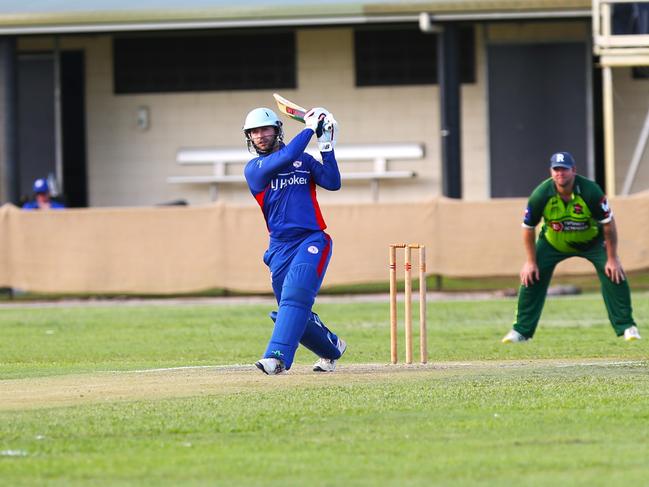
(569, 226)
(281, 183)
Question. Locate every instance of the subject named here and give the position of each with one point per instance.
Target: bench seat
(221, 160)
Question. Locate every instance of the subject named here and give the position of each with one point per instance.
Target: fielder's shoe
(631, 333)
(271, 366)
(514, 337)
(329, 365)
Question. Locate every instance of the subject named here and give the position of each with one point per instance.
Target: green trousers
(531, 299)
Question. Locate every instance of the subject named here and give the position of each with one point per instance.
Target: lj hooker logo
(281, 183)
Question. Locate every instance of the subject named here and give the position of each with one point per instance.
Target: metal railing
(617, 49)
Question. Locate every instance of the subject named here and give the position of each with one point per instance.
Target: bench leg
(214, 192)
(375, 190)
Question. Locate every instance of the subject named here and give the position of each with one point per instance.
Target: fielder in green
(577, 223)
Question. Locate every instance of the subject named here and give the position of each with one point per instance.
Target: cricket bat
(290, 109)
(293, 110)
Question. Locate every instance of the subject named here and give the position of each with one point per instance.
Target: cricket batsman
(577, 223)
(283, 180)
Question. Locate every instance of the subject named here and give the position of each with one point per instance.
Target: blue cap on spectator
(562, 159)
(41, 186)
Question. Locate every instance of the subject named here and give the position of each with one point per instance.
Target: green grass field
(80, 404)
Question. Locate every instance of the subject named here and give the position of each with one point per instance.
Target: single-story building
(106, 97)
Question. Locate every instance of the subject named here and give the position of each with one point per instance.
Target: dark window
(204, 62)
(405, 56)
(640, 72)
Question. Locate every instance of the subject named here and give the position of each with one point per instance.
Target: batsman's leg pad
(298, 295)
(317, 337)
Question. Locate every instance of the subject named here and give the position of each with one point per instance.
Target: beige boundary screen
(185, 249)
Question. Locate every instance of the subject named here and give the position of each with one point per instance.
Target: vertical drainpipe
(448, 62)
(448, 75)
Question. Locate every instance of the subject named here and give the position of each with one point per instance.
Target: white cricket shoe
(514, 337)
(329, 365)
(271, 366)
(631, 333)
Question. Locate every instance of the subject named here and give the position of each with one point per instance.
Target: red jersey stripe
(316, 207)
(324, 256)
(260, 199)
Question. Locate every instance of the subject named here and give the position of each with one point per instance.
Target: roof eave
(121, 22)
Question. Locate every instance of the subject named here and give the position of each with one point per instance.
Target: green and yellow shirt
(573, 226)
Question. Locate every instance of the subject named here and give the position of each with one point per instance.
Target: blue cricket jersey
(284, 184)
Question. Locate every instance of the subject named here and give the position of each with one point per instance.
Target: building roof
(61, 16)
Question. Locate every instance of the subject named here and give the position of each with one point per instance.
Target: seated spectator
(42, 199)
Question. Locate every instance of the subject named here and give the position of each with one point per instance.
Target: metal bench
(222, 159)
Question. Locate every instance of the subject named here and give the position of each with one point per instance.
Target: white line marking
(635, 363)
(430, 365)
(188, 367)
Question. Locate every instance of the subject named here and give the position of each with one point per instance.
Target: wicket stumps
(407, 264)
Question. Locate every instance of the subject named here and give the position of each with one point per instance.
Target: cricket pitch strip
(178, 382)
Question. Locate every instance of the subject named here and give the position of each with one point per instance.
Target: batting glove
(314, 120)
(327, 141)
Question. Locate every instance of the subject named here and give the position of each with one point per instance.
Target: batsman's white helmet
(262, 117)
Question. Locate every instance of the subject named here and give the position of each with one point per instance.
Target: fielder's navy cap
(41, 186)
(562, 159)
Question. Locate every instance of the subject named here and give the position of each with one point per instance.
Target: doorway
(37, 128)
(537, 106)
